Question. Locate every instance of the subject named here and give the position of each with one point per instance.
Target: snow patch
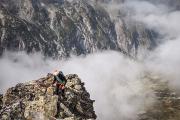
(52, 15)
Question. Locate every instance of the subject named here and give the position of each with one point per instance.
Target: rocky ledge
(37, 100)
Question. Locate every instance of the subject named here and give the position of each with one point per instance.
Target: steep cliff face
(56, 28)
(37, 100)
(132, 35)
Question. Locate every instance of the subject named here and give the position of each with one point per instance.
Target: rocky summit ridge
(37, 100)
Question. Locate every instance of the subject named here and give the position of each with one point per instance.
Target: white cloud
(112, 80)
(165, 60)
(20, 67)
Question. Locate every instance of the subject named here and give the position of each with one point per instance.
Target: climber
(60, 81)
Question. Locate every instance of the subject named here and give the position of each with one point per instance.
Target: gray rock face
(58, 28)
(37, 100)
(134, 37)
(55, 27)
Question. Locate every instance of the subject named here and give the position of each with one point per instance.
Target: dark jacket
(60, 78)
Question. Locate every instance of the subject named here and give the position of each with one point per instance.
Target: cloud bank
(112, 80)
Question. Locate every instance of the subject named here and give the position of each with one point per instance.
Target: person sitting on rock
(60, 81)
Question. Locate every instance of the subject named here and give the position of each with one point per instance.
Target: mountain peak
(37, 100)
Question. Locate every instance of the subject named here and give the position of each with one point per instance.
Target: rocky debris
(37, 100)
(167, 103)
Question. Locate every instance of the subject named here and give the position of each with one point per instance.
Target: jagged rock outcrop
(37, 100)
(1, 101)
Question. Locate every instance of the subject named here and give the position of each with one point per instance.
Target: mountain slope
(59, 28)
(167, 101)
(55, 28)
